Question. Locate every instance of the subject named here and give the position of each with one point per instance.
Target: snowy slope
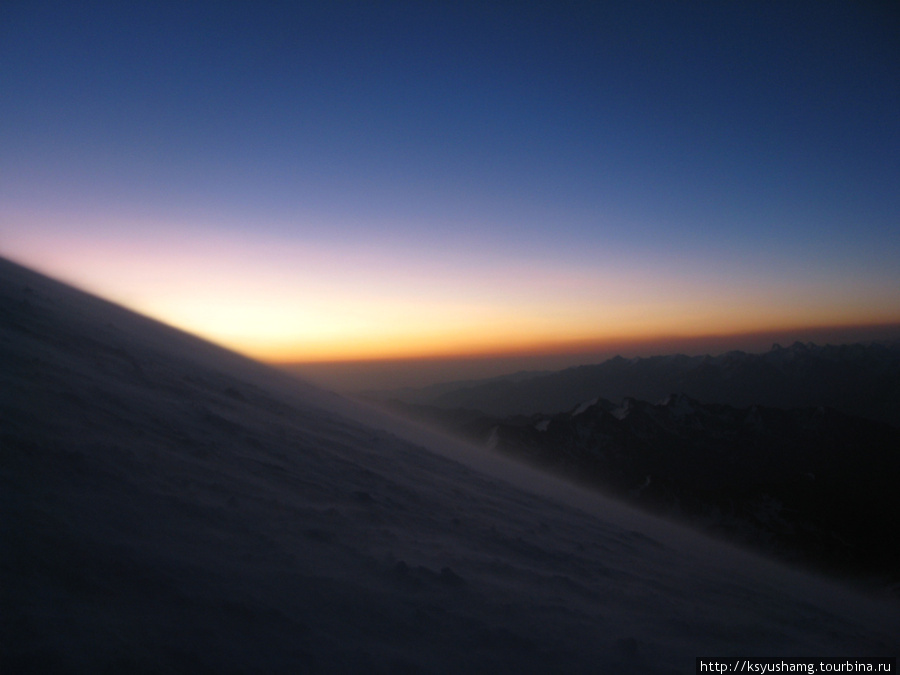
(168, 506)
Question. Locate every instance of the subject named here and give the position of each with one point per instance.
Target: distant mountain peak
(857, 379)
(681, 404)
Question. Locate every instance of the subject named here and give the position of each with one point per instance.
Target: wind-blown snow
(168, 506)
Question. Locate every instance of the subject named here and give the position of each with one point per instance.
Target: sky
(326, 181)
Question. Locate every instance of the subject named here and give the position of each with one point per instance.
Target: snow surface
(622, 411)
(584, 406)
(168, 506)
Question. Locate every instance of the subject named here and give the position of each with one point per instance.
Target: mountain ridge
(860, 379)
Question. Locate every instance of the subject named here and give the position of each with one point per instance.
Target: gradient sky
(329, 180)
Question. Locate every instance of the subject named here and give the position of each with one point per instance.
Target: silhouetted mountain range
(806, 484)
(857, 379)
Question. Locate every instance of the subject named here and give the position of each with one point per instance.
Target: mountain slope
(166, 506)
(804, 484)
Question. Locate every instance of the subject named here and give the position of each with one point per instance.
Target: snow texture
(168, 506)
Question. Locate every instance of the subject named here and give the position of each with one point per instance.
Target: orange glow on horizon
(626, 345)
(299, 301)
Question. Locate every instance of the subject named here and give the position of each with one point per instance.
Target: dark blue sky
(529, 172)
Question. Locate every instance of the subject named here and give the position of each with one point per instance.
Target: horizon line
(762, 340)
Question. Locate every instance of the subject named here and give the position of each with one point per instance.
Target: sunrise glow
(360, 188)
